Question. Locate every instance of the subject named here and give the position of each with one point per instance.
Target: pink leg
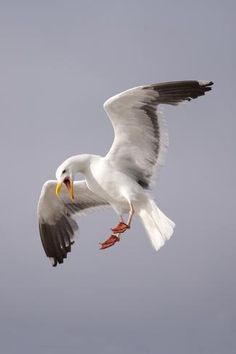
(120, 228)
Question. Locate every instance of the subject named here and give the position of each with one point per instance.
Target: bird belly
(112, 185)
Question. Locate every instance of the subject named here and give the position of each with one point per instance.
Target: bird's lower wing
(57, 227)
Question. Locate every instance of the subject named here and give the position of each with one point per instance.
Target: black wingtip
(206, 84)
(56, 262)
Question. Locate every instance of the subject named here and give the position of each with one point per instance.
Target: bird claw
(109, 242)
(121, 227)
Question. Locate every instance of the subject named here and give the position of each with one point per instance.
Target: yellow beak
(69, 185)
(58, 188)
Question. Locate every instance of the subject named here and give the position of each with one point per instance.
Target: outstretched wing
(140, 135)
(57, 227)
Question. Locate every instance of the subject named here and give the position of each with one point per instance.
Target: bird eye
(64, 171)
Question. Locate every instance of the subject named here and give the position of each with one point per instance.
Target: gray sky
(60, 60)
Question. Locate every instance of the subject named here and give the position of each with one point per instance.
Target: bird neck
(80, 163)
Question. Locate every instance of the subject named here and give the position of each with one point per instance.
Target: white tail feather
(158, 226)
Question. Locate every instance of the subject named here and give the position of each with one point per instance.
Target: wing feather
(57, 227)
(140, 132)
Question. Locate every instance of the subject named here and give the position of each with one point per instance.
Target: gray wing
(140, 135)
(57, 227)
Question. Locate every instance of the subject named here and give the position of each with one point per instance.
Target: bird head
(64, 176)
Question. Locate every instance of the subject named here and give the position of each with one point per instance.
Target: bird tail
(158, 226)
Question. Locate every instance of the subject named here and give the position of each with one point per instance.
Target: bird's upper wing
(55, 216)
(140, 135)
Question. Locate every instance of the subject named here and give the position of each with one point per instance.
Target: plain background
(59, 61)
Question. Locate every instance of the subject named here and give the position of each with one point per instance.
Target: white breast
(112, 185)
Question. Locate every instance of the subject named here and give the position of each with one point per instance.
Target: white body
(120, 191)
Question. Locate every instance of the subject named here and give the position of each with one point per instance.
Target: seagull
(122, 178)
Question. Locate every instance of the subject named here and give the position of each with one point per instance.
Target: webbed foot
(121, 227)
(109, 242)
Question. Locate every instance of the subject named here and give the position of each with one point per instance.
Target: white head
(65, 175)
